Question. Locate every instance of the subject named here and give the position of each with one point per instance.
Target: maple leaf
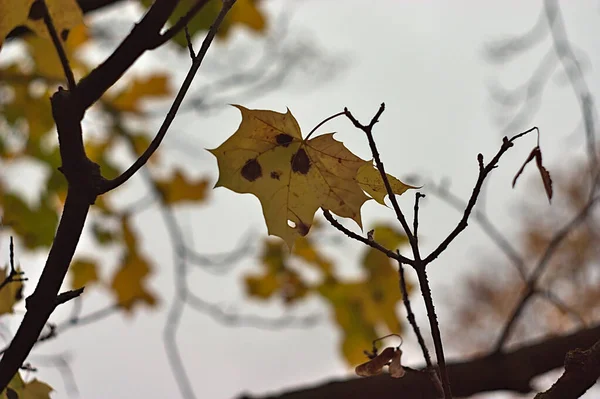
(129, 99)
(179, 189)
(35, 389)
(65, 14)
(291, 177)
(83, 272)
(244, 13)
(11, 293)
(370, 181)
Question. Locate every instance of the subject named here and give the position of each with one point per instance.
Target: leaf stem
(324, 121)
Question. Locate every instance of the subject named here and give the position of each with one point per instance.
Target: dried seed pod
(375, 366)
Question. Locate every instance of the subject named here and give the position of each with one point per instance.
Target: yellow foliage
(10, 294)
(128, 282)
(65, 15)
(291, 177)
(130, 98)
(245, 13)
(34, 389)
(83, 272)
(179, 189)
(370, 181)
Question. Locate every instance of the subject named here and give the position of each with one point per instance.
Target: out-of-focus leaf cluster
(362, 308)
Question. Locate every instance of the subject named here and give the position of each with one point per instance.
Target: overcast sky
(425, 60)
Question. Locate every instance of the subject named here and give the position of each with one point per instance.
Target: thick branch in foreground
(582, 369)
(512, 371)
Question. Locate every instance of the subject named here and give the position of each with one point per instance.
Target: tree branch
(512, 371)
(162, 131)
(367, 241)
(582, 370)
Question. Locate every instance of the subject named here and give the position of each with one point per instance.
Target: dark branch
(582, 370)
(141, 161)
(513, 371)
(364, 240)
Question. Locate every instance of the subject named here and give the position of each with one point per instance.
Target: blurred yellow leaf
(35, 225)
(245, 13)
(10, 294)
(370, 181)
(130, 98)
(13, 13)
(179, 189)
(128, 236)
(141, 142)
(35, 389)
(278, 278)
(305, 250)
(27, 106)
(65, 15)
(363, 307)
(129, 281)
(348, 302)
(47, 63)
(83, 272)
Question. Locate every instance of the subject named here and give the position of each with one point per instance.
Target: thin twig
(419, 264)
(13, 276)
(181, 24)
(190, 46)
(366, 240)
(411, 316)
(484, 171)
(486, 225)
(141, 161)
(418, 196)
(322, 123)
(62, 55)
(368, 130)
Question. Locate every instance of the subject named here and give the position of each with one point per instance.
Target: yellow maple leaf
(128, 282)
(47, 63)
(65, 15)
(129, 99)
(370, 181)
(291, 177)
(34, 389)
(10, 294)
(12, 14)
(179, 189)
(83, 272)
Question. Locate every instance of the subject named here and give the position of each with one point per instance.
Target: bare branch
(141, 161)
(365, 240)
(582, 370)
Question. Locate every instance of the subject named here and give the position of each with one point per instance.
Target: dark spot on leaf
(302, 228)
(64, 34)
(11, 393)
(342, 203)
(339, 160)
(300, 162)
(19, 293)
(284, 139)
(251, 170)
(275, 175)
(377, 295)
(37, 11)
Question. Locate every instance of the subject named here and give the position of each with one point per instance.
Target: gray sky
(424, 59)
